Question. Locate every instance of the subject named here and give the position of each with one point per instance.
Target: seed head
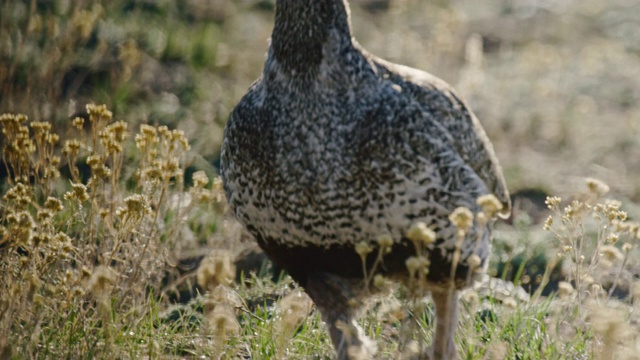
(565, 289)
(552, 202)
(363, 249)
(417, 263)
(222, 322)
(462, 218)
(101, 279)
(489, 204)
(474, 261)
(216, 269)
(385, 241)
(420, 233)
(379, 281)
(53, 204)
(597, 187)
(509, 303)
(611, 253)
(200, 179)
(78, 123)
(79, 192)
(293, 309)
(99, 112)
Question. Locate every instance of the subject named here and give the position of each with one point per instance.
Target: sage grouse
(333, 148)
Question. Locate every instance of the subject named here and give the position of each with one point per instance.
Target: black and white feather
(333, 146)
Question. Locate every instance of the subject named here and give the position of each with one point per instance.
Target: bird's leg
(335, 299)
(446, 302)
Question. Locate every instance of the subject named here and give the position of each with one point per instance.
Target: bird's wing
(469, 138)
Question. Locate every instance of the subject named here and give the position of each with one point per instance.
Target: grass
(97, 214)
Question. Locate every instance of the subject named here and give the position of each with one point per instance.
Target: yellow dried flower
(141, 142)
(118, 130)
(164, 131)
(101, 279)
(385, 241)
(44, 215)
(216, 269)
(292, 310)
(148, 130)
(470, 297)
(200, 179)
(363, 249)
(99, 112)
(71, 147)
(462, 218)
(419, 232)
(489, 204)
(77, 292)
(548, 223)
(222, 322)
(53, 204)
(24, 220)
(552, 202)
(509, 303)
(152, 173)
(52, 139)
(622, 215)
(217, 183)
(565, 289)
(417, 263)
(40, 238)
(626, 247)
(54, 161)
(101, 171)
(135, 208)
(94, 160)
(576, 208)
(611, 204)
(474, 261)
(79, 192)
(413, 264)
(43, 126)
(38, 299)
(588, 280)
(379, 281)
(611, 323)
(78, 122)
(611, 253)
(136, 203)
(62, 238)
(597, 187)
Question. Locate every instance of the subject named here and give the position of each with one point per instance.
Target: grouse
(332, 148)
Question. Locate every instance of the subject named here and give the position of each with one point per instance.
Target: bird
(333, 149)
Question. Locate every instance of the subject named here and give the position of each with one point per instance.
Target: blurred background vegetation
(555, 83)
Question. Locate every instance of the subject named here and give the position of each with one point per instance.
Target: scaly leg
(334, 298)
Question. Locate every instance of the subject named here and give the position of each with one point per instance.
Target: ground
(556, 84)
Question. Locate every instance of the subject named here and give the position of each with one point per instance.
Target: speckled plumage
(333, 146)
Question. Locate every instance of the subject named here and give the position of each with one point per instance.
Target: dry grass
(94, 214)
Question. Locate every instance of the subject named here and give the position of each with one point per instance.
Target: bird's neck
(303, 28)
